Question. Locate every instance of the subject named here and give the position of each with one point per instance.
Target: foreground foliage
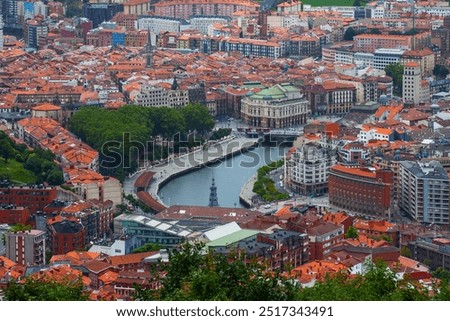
(193, 276)
(35, 290)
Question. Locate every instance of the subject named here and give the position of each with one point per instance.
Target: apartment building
(26, 247)
(152, 96)
(185, 9)
(369, 42)
(368, 133)
(156, 25)
(424, 189)
(65, 235)
(412, 82)
(136, 7)
(387, 56)
(364, 190)
(434, 253)
(203, 24)
(331, 97)
(307, 168)
(33, 197)
(289, 7)
(425, 58)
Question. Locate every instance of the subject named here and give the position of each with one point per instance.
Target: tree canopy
(440, 71)
(191, 275)
(395, 71)
(125, 135)
(349, 34)
(352, 233)
(37, 290)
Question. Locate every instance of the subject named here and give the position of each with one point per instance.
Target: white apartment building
(307, 168)
(203, 24)
(151, 96)
(375, 133)
(345, 11)
(157, 25)
(386, 56)
(424, 189)
(363, 59)
(435, 11)
(1, 33)
(285, 21)
(343, 56)
(412, 82)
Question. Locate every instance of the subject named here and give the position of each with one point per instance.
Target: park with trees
(130, 134)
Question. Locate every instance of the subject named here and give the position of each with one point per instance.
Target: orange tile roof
(108, 277)
(7, 263)
(374, 225)
(365, 241)
(83, 176)
(46, 107)
(337, 218)
(130, 258)
(412, 64)
(96, 266)
(60, 273)
(317, 270)
(354, 171)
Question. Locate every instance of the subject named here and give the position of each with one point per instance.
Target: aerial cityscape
(271, 150)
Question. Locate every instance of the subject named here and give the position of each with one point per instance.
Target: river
(230, 175)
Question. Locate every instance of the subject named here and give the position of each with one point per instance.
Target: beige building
(279, 106)
(47, 111)
(137, 7)
(412, 83)
(91, 185)
(425, 58)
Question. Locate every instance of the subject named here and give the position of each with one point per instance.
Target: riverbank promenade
(200, 157)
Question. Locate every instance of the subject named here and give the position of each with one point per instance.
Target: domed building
(279, 106)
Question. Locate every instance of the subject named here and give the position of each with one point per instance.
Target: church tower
(148, 51)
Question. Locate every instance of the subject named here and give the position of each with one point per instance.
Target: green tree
(440, 71)
(55, 177)
(375, 31)
(405, 251)
(379, 284)
(349, 34)
(37, 290)
(6, 150)
(167, 122)
(149, 247)
(352, 233)
(20, 228)
(395, 71)
(193, 275)
(197, 118)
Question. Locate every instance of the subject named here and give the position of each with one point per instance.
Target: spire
(148, 50)
(175, 86)
(213, 201)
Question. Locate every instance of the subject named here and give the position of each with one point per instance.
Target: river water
(230, 176)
